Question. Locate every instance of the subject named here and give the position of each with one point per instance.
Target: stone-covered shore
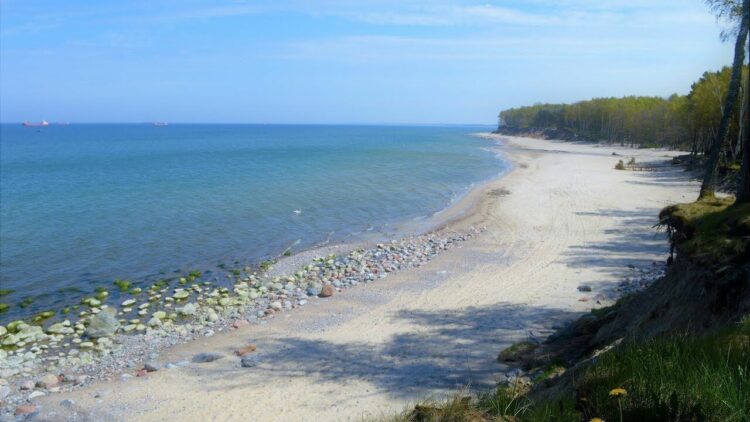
(108, 339)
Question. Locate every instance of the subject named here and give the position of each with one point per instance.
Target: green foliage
(26, 302)
(287, 252)
(620, 165)
(515, 352)
(683, 378)
(4, 307)
(6, 292)
(681, 122)
(711, 230)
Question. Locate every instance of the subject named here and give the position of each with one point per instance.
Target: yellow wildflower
(597, 420)
(616, 392)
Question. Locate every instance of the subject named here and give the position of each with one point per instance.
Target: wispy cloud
(489, 15)
(383, 49)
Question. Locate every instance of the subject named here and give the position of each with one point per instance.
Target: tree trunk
(743, 189)
(708, 187)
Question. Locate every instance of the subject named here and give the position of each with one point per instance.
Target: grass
(679, 378)
(515, 352)
(684, 378)
(711, 230)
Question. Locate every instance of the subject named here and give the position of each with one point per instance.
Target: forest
(686, 122)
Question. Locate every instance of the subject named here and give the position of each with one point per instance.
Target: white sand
(569, 219)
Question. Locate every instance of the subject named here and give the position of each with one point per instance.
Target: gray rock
(584, 288)
(207, 357)
(4, 392)
(152, 366)
(249, 361)
(103, 324)
(67, 403)
(36, 394)
(188, 309)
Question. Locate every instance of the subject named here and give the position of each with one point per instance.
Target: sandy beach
(562, 218)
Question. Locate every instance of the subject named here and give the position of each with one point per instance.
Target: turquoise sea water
(81, 205)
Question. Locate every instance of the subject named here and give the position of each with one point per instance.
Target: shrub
(620, 165)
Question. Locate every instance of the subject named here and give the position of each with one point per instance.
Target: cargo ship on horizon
(30, 124)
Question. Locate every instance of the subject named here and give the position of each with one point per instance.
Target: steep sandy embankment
(562, 218)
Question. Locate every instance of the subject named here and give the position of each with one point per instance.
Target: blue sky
(332, 61)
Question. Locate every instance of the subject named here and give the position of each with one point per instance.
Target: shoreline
(463, 264)
(464, 205)
(219, 272)
(98, 364)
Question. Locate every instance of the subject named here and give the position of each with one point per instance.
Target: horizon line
(65, 123)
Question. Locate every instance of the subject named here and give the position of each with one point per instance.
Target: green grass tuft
(516, 352)
(711, 230)
(685, 378)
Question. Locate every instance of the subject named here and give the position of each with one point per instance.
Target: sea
(82, 205)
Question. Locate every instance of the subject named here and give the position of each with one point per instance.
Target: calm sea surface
(81, 205)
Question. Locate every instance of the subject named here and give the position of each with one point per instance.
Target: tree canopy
(687, 122)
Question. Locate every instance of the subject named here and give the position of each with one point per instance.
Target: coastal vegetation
(710, 121)
(683, 377)
(686, 122)
(680, 349)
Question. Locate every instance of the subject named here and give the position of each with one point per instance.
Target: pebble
(48, 381)
(240, 323)
(25, 409)
(255, 298)
(326, 291)
(36, 394)
(245, 350)
(207, 357)
(249, 361)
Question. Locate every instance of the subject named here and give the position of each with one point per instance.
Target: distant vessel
(42, 123)
(160, 123)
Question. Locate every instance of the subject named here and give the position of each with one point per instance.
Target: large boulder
(103, 324)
